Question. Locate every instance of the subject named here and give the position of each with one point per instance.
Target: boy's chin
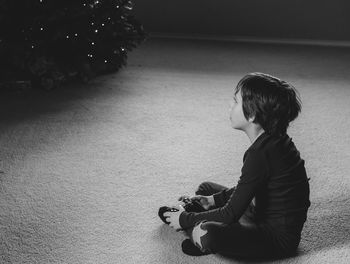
(236, 128)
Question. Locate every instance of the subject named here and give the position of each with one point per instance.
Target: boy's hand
(173, 218)
(207, 202)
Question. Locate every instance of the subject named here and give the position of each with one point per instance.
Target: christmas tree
(48, 42)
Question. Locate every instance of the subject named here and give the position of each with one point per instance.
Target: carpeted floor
(84, 169)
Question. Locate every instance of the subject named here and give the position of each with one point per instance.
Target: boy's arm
(254, 173)
(222, 197)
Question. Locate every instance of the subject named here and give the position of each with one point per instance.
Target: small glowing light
(96, 30)
(92, 23)
(122, 49)
(92, 43)
(41, 29)
(109, 18)
(76, 34)
(105, 61)
(32, 46)
(117, 6)
(103, 24)
(67, 37)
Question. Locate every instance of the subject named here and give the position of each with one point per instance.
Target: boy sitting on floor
(263, 215)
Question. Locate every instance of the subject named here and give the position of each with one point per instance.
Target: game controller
(192, 205)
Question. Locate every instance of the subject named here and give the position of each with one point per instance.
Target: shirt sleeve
(222, 197)
(253, 174)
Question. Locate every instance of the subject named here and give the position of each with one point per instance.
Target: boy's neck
(254, 133)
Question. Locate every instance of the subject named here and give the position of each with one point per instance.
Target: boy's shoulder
(267, 143)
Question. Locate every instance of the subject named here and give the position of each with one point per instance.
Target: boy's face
(238, 120)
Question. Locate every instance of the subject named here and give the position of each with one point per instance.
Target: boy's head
(272, 102)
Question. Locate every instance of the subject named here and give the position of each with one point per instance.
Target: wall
(294, 19)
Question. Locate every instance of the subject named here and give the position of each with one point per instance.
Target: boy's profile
(263, 215)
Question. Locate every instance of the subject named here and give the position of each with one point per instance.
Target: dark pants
(241, 239)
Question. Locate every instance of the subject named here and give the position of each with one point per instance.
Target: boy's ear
(251, 119)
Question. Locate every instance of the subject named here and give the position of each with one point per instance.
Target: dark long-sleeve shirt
(274, 174)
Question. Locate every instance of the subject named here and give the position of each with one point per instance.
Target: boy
(264, 214)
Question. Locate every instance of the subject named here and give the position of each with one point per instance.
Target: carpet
(85, 168)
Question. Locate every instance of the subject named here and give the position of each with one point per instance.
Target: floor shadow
(327, 226)
(254, 260)
(225, 57)
(21, 105)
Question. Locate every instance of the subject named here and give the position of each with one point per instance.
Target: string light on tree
(63, 32)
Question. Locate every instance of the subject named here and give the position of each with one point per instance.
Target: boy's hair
(273, 102)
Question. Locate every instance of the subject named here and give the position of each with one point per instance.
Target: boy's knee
(203, 188)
